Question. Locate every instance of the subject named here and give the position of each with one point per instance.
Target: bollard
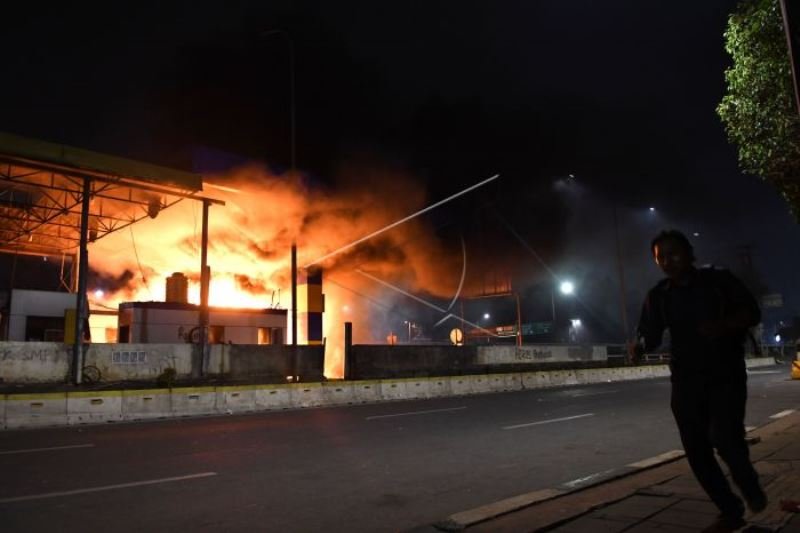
(348, 348)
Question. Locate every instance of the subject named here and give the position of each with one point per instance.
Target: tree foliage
(758, 111)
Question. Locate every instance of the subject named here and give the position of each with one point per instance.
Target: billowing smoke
(250, 240)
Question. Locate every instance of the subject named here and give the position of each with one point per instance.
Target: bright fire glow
(249, 251)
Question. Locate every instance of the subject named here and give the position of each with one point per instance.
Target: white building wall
(154, 325)
(25, 303)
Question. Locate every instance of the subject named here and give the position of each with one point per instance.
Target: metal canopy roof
(41, 189)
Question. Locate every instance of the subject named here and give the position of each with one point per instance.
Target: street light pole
(519, 321)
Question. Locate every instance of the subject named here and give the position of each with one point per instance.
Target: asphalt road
(378, 467)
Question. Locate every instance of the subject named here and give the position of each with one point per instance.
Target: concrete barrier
(238, 399)
(58, 409)
(306, 394)
(367, 391)
(94, 407)
(339, 393)
(462, 385)
(760, 361)
(439, 387)
(418, 389)
(273, 397)
(503, 384)
(194, 401)
(146, 404)
(481, 383)
(535, 380)
(393, 389)
(496, 383)
(513, 382)
(598, 375)
(36, 410)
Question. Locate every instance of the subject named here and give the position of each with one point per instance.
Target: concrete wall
(498, 355)
(267, 362)
(34, 362)
(382, 361)
(120, 362)
(44, 362)
(385, 361)
(87, 407)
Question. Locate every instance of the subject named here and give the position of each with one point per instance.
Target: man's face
(672, 257)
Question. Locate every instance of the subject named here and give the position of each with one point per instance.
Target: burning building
(176, 322)
(125, 226)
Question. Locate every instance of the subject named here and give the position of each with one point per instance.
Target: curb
(464, 519)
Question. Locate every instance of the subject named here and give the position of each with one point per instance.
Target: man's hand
(635, 352)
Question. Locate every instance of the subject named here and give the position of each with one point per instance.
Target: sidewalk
(663, 498)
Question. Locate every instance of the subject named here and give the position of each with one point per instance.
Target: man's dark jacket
(712, 298)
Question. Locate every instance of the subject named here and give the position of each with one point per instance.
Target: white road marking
(105, 487)
(581, 481)
(658, 459)
(783, 413)
(53, 448)
(529, 424)
(748, 429)
(410, 413)
(584, 393)
(765, 371)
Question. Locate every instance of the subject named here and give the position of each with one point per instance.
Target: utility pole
(205, 281)
(294, 293)
(81, 303)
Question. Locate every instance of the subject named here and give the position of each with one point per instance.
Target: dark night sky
(621, 94)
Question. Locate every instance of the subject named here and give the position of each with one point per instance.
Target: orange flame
(249, 250)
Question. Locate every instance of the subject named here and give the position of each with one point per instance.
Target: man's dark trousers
(710, 414)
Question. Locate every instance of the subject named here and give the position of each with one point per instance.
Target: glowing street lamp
(567, 287)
